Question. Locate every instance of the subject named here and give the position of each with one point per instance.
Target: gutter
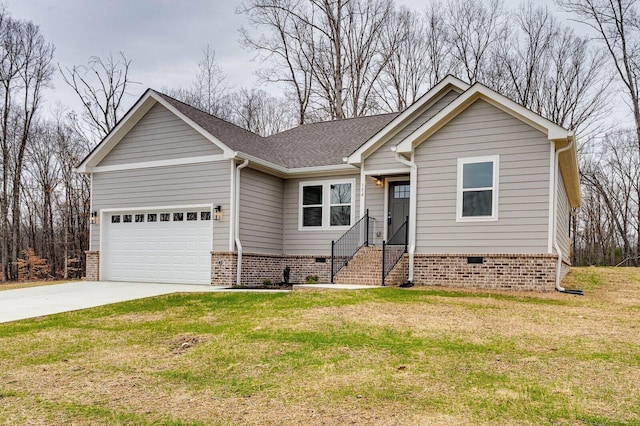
(236, 224)
(556, 246)
(412, 209)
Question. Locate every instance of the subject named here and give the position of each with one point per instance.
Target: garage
(167, 246)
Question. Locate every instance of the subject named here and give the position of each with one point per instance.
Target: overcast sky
(163, 38)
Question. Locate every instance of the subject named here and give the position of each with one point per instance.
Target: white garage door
(170, 246)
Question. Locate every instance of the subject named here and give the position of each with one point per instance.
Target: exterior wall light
(94, 218)
(217, 213)
(379, 181)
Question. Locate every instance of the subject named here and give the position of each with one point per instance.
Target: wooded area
(334, 59)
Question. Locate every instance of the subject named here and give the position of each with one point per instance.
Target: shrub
(266, 282)
(286, 272)
(311, 279)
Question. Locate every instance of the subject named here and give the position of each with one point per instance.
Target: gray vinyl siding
(563, 220)
(261, 212)
(374, 201)
(523, 209)
(203, 183)
(310, 242)
(159, 135)
(383, 158)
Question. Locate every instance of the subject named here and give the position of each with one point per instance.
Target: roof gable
(131, 118)
(407, 116)
(475, 92)
(555, 134)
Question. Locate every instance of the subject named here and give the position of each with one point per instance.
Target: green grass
(379, 356)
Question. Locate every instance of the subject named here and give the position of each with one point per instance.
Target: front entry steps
(366, 268)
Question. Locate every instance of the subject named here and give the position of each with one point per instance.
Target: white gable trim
(135, 114)
(435, 93)
(475, 92)
(157, 163)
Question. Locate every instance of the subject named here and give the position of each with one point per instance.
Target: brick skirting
(524, 272)
(93, 265)
(258, 267)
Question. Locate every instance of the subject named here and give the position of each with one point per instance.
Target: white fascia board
(475, 92)
(447, 82)
(157, 163)
(284, 172)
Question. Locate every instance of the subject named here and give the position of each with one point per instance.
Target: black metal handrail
(344, 248)
(394, 248)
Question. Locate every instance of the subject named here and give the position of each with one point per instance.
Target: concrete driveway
(52, 299)
(33, 302)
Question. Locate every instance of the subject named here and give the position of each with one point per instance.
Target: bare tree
(261, 113)
(616, 23)
(209, 91)
(289, 44)
(101, 86)
(329, 52)
(25, 71)
(612, 179)
(476, 29)
(553, 72)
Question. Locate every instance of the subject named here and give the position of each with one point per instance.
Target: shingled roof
(316, 144)
(327, 142)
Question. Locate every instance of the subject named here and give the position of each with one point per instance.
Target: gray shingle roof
(308, 145)
(327, 142)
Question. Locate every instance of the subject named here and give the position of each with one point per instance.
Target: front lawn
(379, 356)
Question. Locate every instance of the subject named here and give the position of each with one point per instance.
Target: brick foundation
(257, 267)
(523, 272)
(93, 265)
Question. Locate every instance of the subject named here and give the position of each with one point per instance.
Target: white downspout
(412, 208)
(555, 213)
(236, 224)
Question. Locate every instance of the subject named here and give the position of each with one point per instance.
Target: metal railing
(394, 248)
(344, 248)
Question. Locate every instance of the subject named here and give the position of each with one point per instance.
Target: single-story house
(463, 188)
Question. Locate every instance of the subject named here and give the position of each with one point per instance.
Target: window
(477, 189)
(340, 204)
(325, 205)
(401, 191)
(312, 205)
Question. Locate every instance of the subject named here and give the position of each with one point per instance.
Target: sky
(163, 38)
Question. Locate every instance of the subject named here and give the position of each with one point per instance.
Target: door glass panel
(401, 191)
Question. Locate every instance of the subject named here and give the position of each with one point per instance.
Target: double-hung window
(327, 204)
(477, 189)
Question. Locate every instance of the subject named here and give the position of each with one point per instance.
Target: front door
(398, 210)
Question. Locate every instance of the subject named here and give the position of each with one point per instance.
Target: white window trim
(495, 159)
(326, 204)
